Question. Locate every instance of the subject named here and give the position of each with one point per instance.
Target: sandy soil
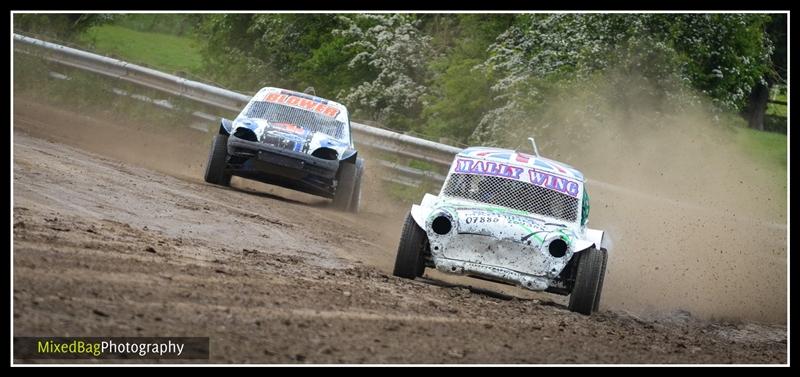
(115, 234)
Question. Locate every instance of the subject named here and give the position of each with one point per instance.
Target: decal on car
(553, 182)
(290, 127)
(534, 176)
(487, 168)
(506, 156)
(302, 103)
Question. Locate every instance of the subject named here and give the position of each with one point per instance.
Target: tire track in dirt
(275, 278)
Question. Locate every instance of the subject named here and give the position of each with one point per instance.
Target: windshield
(312, 121)
(511, 193)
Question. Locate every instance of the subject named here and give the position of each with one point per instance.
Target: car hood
(292, 137)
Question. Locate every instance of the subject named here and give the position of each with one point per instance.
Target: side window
(585, 209)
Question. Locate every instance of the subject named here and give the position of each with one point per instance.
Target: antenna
(535, 150)
(310, 90)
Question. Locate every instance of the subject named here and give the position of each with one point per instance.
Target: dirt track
(124, 243)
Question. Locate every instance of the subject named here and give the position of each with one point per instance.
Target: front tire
(345, 187)
(596, 306)
(587, 280)
(218, 161)
(355, 201)
(410, 262)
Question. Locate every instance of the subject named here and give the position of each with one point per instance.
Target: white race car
(290, 139)
(509, 217)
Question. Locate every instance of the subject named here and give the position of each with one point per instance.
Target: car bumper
(498, 259)
(494, 273)
(276, 166)
(283, 162)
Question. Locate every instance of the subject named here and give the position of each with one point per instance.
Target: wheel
(355, 201)
(217, 162)
(345, 187)
(583, 294)
(226, 180)
(596, 305)
(410, 263)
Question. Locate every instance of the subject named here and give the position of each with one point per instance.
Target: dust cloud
(697, 222)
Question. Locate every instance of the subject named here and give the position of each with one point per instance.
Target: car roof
(512, 157)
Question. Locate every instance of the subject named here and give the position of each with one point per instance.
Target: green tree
(393, 52)
(774, 73)
(459, 93)
(723, 56)
(287, 50)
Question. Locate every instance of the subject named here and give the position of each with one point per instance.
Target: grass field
(769, 147)
(164, 52)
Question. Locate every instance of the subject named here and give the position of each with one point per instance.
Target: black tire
(596, 305)
(355, 201)
(581, 299)
(226, 180)
(345, 187)
(410, 262)
(217, 162)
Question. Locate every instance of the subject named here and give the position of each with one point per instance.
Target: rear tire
(582, 298)
(345, 187)
(217, 162)
(410, 262)
(596, 306)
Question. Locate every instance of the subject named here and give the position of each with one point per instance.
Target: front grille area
(512, 194)
(309, 120)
